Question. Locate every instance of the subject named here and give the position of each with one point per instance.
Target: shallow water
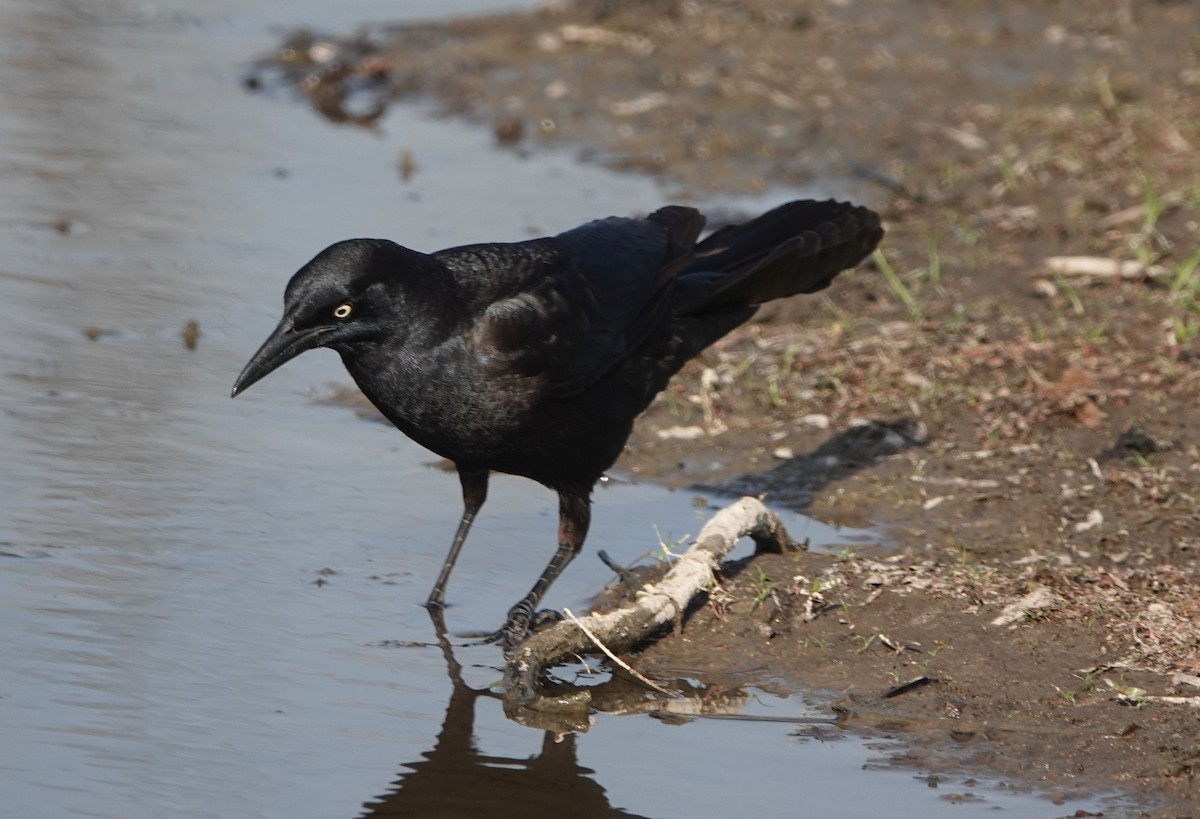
(202, 599)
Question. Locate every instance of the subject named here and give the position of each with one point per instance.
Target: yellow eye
(342, 310)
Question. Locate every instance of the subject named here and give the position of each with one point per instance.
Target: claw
(504, 638)
(521, 623)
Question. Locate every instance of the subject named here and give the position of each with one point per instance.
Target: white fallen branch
(654, 607)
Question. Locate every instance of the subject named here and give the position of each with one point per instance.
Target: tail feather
(683, 226)
(796, 248)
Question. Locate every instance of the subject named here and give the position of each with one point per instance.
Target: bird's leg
(574, 515)
(474, 488)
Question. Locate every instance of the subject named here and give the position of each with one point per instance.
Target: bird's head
(351, 293)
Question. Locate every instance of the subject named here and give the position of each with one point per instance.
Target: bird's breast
(451, 407)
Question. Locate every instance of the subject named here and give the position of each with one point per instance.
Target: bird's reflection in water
(455, 779)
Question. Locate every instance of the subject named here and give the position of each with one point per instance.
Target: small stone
(1094, 519)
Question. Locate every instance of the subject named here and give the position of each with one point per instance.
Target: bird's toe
(544, 618)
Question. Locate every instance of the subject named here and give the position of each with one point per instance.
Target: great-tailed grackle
(534, 358)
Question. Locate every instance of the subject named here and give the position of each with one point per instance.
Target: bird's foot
(521, 623)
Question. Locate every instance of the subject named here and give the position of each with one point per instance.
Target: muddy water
(209, 606)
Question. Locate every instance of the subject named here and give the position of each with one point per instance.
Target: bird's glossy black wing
(569, 307)
(527, 308)
(627, 266)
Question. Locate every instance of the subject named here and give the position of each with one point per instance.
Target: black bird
(534, 358)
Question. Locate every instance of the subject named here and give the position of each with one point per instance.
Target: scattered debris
(96, 333)
(1099, 270)
(689, 433)
(1179, 678)
(1093, 519)
(190, 334)
(1194, 702)
(965, 483)
(1134, 441)
(1038, 599)
(906, 687)
(407, 165)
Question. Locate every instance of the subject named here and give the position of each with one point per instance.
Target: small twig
(751, 718)
(623, 574)
(911, 685)
(600, 645)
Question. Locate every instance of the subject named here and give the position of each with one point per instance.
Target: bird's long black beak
(284, 344)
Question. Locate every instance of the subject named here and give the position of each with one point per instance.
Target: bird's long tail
(796, 248)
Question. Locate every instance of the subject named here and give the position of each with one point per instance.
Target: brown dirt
(1041, 428)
